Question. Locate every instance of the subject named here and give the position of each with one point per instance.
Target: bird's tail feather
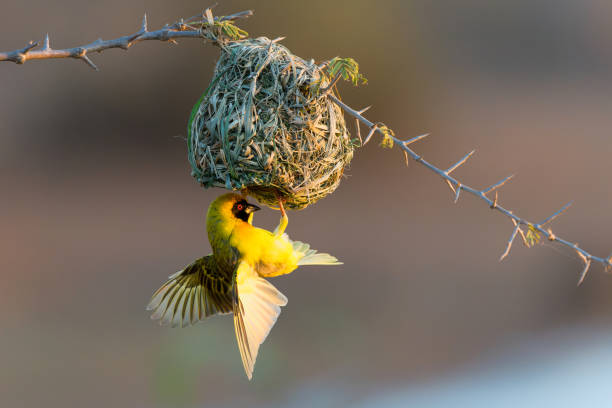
(257, 305)
(312, 257)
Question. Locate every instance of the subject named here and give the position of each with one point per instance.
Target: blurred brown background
(97, 207)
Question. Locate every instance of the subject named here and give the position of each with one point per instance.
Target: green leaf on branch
(230, 30)
(348, 69)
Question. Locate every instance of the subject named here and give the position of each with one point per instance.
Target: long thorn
(460, 162)
(507, 251)
(457, 194)
(358, 131)
(494, 204)
(555, 215)
(89, 62)
(369, 136)
(415, 139)
(46, 45)
(143, 27)
(450, 185)
(587, 265)
(497, 185)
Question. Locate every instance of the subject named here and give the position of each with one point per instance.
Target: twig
(458, 186)
(191, 28)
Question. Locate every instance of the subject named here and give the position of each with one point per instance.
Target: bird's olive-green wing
(192, 294)
(256, 307)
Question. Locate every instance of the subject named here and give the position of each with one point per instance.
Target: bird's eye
(240, 207)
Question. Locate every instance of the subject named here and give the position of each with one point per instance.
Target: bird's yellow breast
(269, 254)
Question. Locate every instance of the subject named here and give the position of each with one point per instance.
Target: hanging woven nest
(264, 127)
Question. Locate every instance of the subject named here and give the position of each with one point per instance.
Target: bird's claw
(284, 219)
(282, 207)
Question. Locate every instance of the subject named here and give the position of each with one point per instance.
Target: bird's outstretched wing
(256, 307)
(192, 294)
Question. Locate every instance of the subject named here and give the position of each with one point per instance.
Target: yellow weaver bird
(231, 279)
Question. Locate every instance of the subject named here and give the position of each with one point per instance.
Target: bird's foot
(282, 225)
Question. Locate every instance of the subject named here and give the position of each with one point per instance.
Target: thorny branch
(200, 25)
(193, 27)
(457, 187)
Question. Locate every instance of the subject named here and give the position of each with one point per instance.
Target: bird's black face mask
(242, 209)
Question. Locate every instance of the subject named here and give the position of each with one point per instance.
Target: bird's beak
(251, 208)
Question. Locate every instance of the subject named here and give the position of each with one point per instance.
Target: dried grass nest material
(263, 127)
